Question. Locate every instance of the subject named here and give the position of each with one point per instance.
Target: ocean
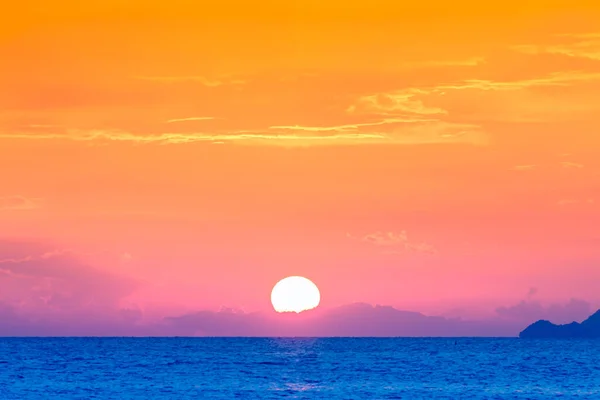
(298, 368)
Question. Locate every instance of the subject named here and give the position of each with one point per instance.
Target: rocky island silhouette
(542, 329)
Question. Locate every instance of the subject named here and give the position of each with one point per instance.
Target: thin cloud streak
(586, 46)
(43, 256)
(181, 138)
(571, 165)
(400, 102)
(425, 133)
(524, 167)
(195, 79)
(555, 79)
(567, 202)
(171, 121)
(432, 101)
(398, 242)
(349, 127)
(19, 203)
(467, 62)
(404, 102)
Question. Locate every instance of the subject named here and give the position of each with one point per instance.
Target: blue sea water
(297, 368)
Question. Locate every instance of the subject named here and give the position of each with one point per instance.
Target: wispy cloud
(43, 280)
(399, 102)
(243, 137)
(348, 127)
(532, 310)
(194, 79)
(404, 133)
(398, 241)
(572, 165)
(567, 202)
(125, 257)
(562, 164)
(19, 203)
(466, 62)
(589, 35)
(565, 78)
(397, 130)
(42, 126)
(407, 116)
(9, 266)
(523, 167)
(488, 100)
(190, 119)
(42, 256)
(415, 120)
(580, 46)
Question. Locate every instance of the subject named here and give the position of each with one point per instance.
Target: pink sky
(440, 164)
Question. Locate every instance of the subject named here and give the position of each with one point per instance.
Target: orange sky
(435, 156)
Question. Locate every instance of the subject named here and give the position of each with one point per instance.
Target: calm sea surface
(336, 368)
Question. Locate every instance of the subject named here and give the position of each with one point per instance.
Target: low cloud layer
(358, 319)
(354, 320)
(531, 310)
(42, 284)
(50, 291)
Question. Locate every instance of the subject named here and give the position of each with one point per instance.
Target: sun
(295, 294)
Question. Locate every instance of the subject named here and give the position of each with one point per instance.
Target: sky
(161, 161)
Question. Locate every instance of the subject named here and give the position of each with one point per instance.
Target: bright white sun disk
(295, 294)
